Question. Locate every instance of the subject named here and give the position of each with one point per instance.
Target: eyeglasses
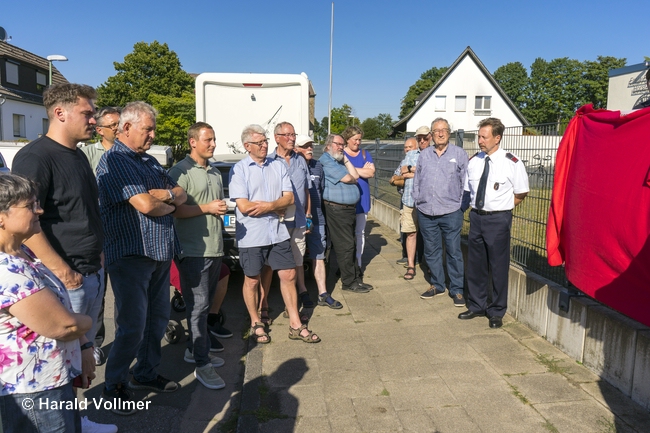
(338, 144)
(112, 125)
(287, 135)
(259, 143)
(422, 137)
(438, 131)
(34, 206)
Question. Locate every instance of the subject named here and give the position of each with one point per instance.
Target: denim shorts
(316, 243)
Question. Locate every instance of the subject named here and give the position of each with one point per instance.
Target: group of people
(438, 184)
(71, 217)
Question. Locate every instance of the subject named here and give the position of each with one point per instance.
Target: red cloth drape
(599, 219)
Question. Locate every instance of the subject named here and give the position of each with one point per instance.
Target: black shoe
(496, 322)
(466, 315)
(366, 285)
(121, 399)
(357, 288)
(459, 300)
(219, 331)
(429, 294)
(159, 384)
(215, 345)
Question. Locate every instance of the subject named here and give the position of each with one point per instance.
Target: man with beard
(137, 198)
(316, 242)
(341, 196)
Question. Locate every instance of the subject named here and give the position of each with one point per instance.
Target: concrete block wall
(612, 345)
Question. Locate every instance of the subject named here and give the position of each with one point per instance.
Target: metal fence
(535, 145)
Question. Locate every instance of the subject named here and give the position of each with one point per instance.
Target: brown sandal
(264, 317)
(295, 334)
(256, 336)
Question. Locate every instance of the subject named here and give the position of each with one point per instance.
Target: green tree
(377, 127)
(149, 69)
(513, 79)
(427, 80)
(596, 79)
(175, 116)
(342, 118)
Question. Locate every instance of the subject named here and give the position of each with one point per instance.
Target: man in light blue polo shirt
(262, 190)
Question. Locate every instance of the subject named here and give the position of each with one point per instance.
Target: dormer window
(12, 72)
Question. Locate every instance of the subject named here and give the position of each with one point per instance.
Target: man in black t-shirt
(72, 237)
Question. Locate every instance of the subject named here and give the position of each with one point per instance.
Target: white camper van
(230, 101)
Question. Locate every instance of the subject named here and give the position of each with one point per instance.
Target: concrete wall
(614, 346)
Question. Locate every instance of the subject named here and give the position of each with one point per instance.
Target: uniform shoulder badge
(511, 157)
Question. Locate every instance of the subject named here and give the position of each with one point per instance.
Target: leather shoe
(496, 322)
(366, 285)
(466, 315)
(356, 288)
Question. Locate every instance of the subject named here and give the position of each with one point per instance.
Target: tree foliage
(427, 80)
(377, 127)
(513, 79)
(153, 73)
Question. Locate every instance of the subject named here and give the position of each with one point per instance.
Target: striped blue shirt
(335, 190)
(121, 174)
(254, 182)
(301, 182)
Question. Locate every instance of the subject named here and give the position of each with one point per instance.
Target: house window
(441, 103)
(19, 125)
(482, 106)
(40, 80)
(46, 125)
(12, 73)
(461, 103)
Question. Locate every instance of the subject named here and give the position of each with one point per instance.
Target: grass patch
(344, 314)
(518, 394)
(552, 364)
(230, 425)
(398, 320)
(385, 392)
(359, 321)
(550, 427)
(525, 373)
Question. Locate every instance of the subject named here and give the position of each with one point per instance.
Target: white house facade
(466, 94)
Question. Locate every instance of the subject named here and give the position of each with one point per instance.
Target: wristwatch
(409, 167)
(87, 345)
(172, 196)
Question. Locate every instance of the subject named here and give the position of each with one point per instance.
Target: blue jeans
(199, 279)
(88, 298)
(141, 289)
(436, 230)
(42, 416)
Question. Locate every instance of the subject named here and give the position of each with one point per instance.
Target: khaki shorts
(298, 244)
(408, 220)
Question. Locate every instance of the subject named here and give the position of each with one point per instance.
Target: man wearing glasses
(107, 119)
(437, 193)
(340, 196)
(262, 190)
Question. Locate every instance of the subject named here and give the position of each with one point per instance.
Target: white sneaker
(208, 377)
(214, 360)
(100, 358)
(87, 426)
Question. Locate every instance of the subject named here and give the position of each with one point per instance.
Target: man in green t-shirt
(199, 225)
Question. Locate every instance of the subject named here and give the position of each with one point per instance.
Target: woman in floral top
(40, 352)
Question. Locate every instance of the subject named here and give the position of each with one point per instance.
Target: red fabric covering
(599, 219)
(175, 279)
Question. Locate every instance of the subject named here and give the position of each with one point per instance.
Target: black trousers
(340, 225)
(488, 250)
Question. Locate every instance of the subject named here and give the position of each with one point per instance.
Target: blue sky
(380, 47)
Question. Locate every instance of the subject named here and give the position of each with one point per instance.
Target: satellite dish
(3, 35)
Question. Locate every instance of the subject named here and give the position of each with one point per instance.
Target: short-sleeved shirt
(335, 190)
(259, 182)
(94, 152)
(301, 182)
(411, 158)
(121, 174)
(363, 206)
(201, 235)
(506, 178)
(316, 191)
(31, 362)
(68, 195)
(438, 181)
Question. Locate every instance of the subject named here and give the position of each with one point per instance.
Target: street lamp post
(55, 58)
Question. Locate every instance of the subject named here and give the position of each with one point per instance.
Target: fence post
(459, 137)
